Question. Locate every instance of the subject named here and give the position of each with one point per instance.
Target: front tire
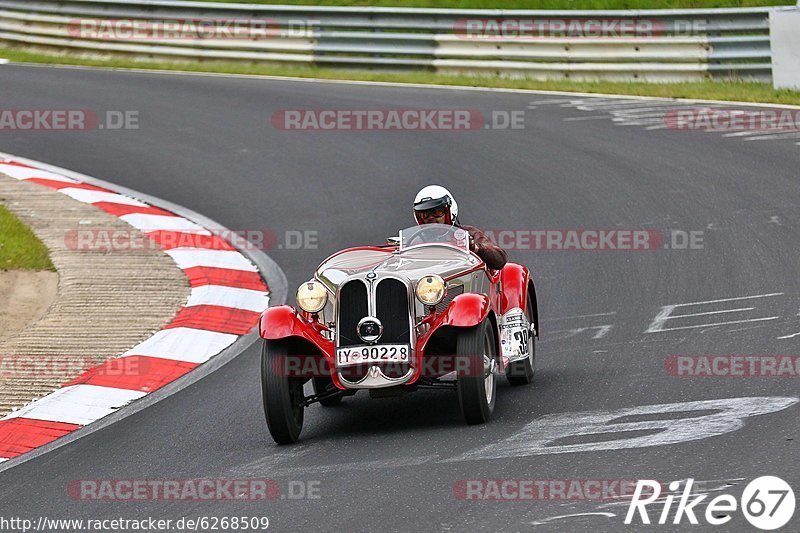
(522, 372)
(476, 384)
(281, 395)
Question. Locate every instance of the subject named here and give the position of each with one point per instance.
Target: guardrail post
(784, 25)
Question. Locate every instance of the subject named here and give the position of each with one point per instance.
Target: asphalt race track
(399, 464)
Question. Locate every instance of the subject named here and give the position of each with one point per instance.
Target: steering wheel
(433, 236)
(421, 232)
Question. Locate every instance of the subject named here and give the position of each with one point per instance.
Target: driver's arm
(491, 254)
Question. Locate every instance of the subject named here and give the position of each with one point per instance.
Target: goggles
(430, 214)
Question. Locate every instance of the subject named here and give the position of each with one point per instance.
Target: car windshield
(434, 234)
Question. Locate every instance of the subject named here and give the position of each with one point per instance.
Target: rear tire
(281, 395)
(477, 384)
(522, 372)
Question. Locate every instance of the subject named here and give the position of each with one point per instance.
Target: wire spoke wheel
(476, 382)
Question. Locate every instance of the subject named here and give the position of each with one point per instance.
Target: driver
(435, 205)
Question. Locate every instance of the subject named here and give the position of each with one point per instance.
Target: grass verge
(705, 90)
(20, 249)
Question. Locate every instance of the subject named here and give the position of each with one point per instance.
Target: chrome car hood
(411, 263)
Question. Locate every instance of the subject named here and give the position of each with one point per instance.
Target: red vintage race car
(422, 311)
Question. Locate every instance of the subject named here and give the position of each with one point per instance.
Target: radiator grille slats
(391, 304)
(352, 308)
(452, 292)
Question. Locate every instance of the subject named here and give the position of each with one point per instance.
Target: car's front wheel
(282, 395)
(476, 350)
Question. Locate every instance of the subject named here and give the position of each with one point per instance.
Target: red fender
(516, 279)
(283, 321)
(465, 311)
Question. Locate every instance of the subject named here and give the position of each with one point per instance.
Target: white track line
(773, 136)
(720, 323)
(732, 299)
(713, 312)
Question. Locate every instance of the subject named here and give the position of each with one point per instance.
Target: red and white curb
(227, 297)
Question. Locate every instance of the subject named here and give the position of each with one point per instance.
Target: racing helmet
(435, 201)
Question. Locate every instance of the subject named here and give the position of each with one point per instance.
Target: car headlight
(431, 289)
(312, 296)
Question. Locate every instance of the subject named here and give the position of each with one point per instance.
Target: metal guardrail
(681, 45)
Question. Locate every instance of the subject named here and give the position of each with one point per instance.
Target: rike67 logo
(767, 503)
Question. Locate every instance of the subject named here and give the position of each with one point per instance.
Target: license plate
(383, 353)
